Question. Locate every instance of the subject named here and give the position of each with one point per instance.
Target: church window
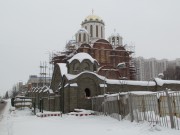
(79, 37)
(107, 56)
(76, 67)
(97, 53)
(87, 92)
(118, 40)
(94, 67)
(113, 40)
(84, 38)
(103, 56)
(101, 32)
(86, 66)
(91, 30)
(96, 31)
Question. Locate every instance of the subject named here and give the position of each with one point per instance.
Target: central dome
(95, 27)
(93, 18)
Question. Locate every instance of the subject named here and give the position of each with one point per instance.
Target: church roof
(63, 68)
(71, 76)
(82, 56)
(112, 81)
(82, 30)
(93, 18)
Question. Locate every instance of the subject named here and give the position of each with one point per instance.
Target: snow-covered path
(5, 119)
(21, 122)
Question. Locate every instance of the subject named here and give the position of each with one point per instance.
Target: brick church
(115, 60)
(90, 66)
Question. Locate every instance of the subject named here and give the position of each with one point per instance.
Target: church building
(83, 70)
(114, 58)
(92, 66)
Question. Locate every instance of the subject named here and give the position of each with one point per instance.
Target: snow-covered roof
(20, 99)
(111, 81)
(82, 30)
(43, 88)
(126, 93)
(63, 68)
(82, 56)
(73, 85)
(161, 82)
(121, 65)
(71, 77)
(131, 82)
(103, 85)
(49, 90)
(23, 103)
(66, 85)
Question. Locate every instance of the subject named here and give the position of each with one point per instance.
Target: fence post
(34, 104)
(40, 105)
(130, 107)
(170, 108)
(42, 102)
(119, 111)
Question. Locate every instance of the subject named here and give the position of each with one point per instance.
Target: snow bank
(161, 82)
(23, 122)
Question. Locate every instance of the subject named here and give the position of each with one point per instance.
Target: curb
(81, 114)
(48, 115)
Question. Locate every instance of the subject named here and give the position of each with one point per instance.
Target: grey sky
(31, 28)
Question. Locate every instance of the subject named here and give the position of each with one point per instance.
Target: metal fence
(161, 108)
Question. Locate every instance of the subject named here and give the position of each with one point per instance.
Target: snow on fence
(161, 108)
(21, 102)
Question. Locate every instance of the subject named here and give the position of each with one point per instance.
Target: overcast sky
(30, 29)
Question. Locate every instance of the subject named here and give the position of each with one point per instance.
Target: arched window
(113, 40)
(101, 32)
(96, 31)
(86, 27)
(118, 41)
(76, 67)
(79, 37)
(87, 92)
(84, 37)
(86, 66)
(76, 37)
(91, 30)
(94, 67)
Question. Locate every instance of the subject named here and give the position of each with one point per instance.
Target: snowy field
(22, 122)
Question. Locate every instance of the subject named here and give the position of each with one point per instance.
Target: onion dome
(93, 18)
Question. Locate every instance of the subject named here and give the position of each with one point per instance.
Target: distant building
(173, 70)
(147, 69)
(35, 81)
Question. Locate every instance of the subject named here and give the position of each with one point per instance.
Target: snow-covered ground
(22, 122)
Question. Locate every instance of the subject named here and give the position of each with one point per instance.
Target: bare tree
(14, 92)
(6, 95)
